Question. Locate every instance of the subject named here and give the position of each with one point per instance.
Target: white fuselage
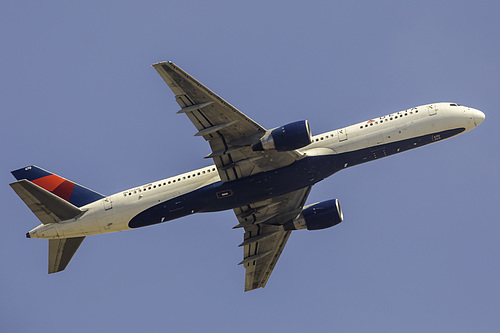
(114, 212)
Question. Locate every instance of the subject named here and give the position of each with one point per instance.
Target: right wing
(229, 132)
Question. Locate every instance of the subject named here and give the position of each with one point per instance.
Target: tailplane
(53, 199)
(61, 251)
(48, 207)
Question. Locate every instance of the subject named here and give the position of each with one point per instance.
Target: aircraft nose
(478, 116)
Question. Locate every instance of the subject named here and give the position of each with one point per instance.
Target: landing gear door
(342, 133)
(432, 109)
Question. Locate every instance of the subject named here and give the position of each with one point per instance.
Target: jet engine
(321, 215)
(285, 138)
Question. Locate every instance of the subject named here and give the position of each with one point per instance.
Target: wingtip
(161, 63)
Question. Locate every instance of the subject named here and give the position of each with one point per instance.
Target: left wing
(265, 236)
(229, 132)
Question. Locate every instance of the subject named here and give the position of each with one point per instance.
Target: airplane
(264, 176)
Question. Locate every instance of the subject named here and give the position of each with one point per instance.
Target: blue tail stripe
(80, 196)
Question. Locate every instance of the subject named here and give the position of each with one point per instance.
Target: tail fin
(53, 199)
(73, 193)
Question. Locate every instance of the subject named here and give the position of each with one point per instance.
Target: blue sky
(418, 250)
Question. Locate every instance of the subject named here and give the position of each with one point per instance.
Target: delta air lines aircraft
(263, 175)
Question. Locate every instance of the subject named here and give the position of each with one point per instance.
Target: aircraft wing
(265, 237)
(229, 132)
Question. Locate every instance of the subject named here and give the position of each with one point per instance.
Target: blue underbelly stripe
(305, 172)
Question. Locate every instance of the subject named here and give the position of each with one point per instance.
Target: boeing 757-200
(264, 176)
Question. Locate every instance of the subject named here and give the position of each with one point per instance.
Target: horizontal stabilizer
(48, 207)
(61, 251)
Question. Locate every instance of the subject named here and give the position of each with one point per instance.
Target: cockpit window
(454, 104)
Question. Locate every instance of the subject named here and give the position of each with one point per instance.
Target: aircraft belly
(358, 156)
(220, 196)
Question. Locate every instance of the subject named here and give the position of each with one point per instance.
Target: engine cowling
(322, 215)
(285, 138)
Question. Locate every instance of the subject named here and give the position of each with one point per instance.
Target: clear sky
(419, 248)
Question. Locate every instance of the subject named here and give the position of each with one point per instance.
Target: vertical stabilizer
(53, 199)
(75, 194)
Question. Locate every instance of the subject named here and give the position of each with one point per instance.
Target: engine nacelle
(322, 215)
(285, 138)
